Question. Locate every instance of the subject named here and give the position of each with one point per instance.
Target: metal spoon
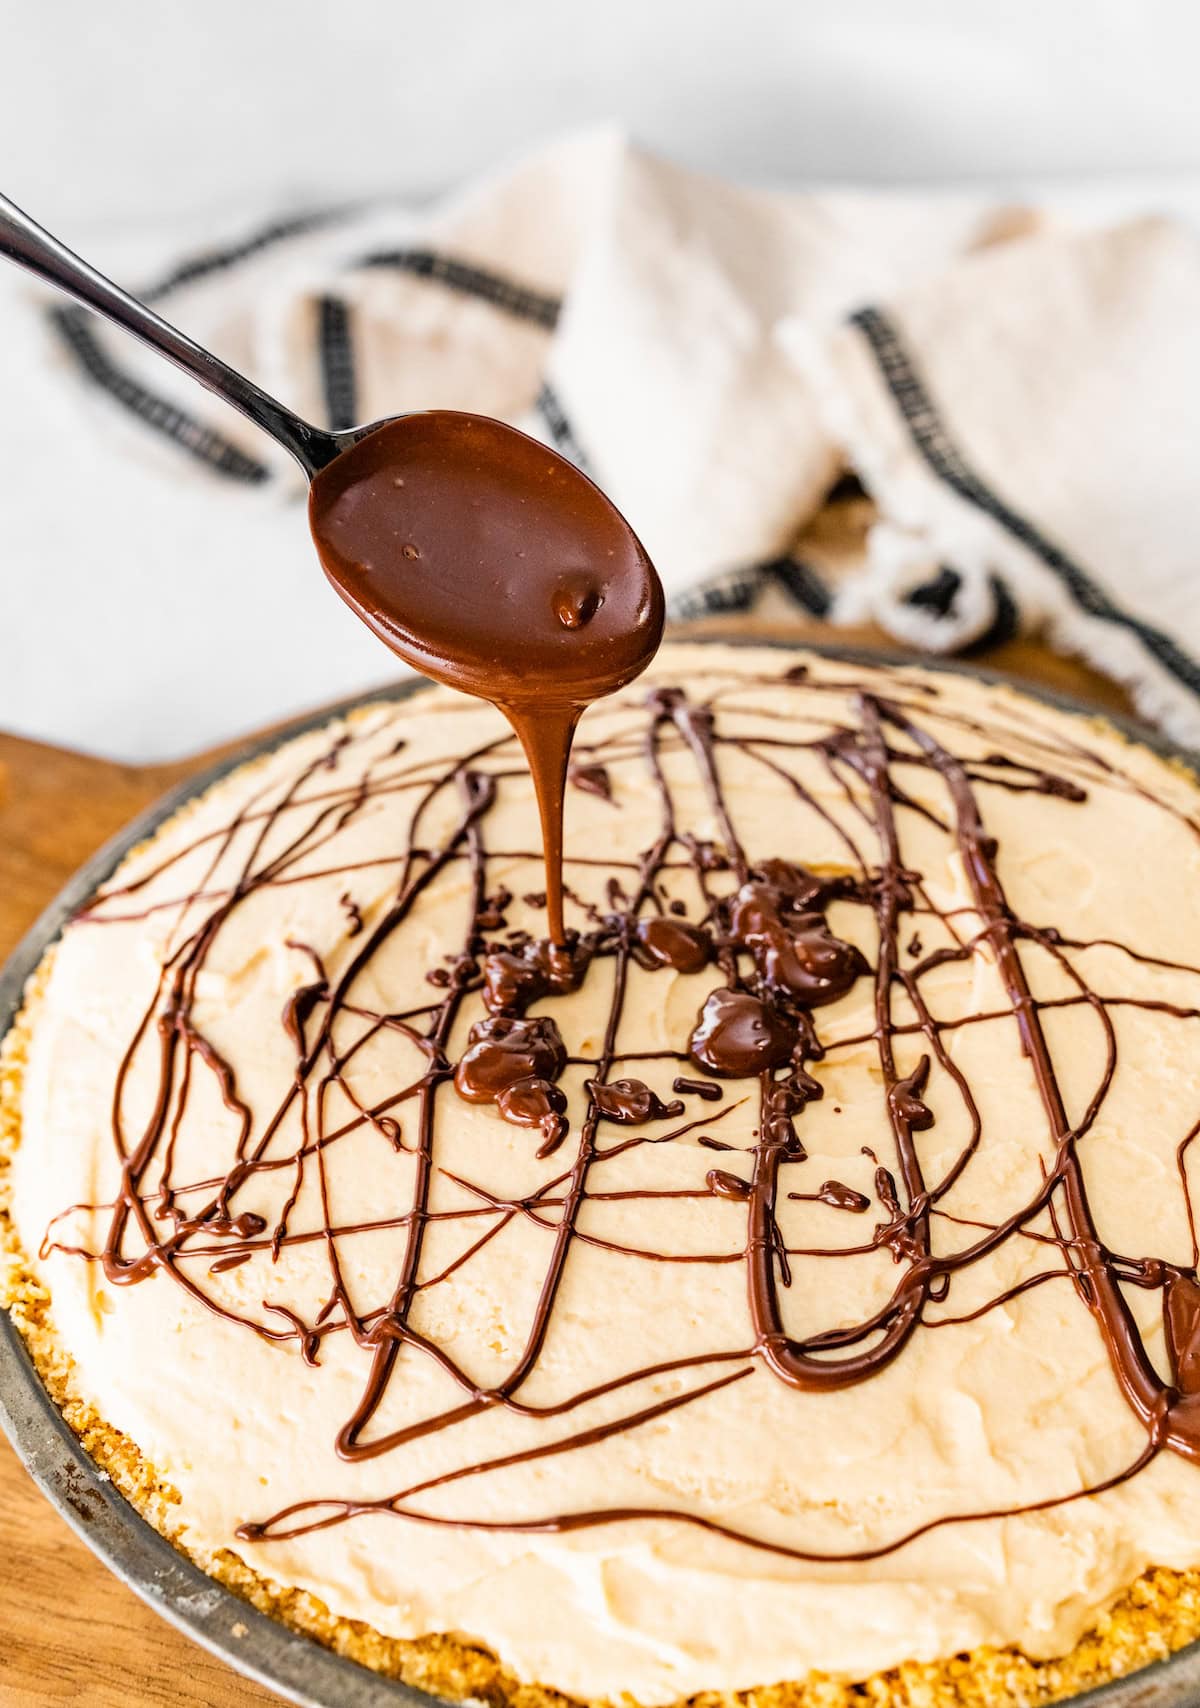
(24, 241)
(570, 608)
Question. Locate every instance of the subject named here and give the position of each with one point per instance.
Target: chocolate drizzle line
(766, 959)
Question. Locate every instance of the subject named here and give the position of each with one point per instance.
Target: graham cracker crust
(1157, 1615)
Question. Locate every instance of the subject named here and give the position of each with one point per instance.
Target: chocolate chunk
(515, 977)
(722, 1184)
(793, 949)
(841, 1197)
(738, 1036)
(905, 1102)
(535, 1102)
(502, 1050)
(663, 942)
(630, 1103)
(698, 1088)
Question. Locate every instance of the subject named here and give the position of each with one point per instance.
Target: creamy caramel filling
(273, 1225)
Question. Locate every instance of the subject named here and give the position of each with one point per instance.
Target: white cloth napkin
(1029, 425)
(1017, 397)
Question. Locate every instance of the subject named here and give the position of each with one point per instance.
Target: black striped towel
(1020, 400)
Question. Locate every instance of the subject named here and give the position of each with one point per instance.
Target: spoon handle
(24, 241)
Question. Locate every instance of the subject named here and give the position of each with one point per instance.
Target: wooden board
(69, 1631)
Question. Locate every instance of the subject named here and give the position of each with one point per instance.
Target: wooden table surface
(69, 1631)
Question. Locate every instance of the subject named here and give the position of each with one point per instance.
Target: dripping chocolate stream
(739, 935)
(490, 563)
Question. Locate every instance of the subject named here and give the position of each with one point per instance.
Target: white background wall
(130, 109)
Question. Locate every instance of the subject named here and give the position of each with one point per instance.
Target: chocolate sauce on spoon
(490, 563)
(479, 555)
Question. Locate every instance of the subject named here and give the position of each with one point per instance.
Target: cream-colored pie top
(187, 1022)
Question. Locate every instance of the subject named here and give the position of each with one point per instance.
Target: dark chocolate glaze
(630, 1102)
(767, 937)
(703, 1088)
(666, 942)
(837, 1195)
(502, 1050)
(722, 1184)
(740, 1034)
(536, 1102)
(489, 562)
(513, 978)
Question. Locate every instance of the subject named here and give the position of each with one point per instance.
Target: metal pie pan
(254, 1644)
